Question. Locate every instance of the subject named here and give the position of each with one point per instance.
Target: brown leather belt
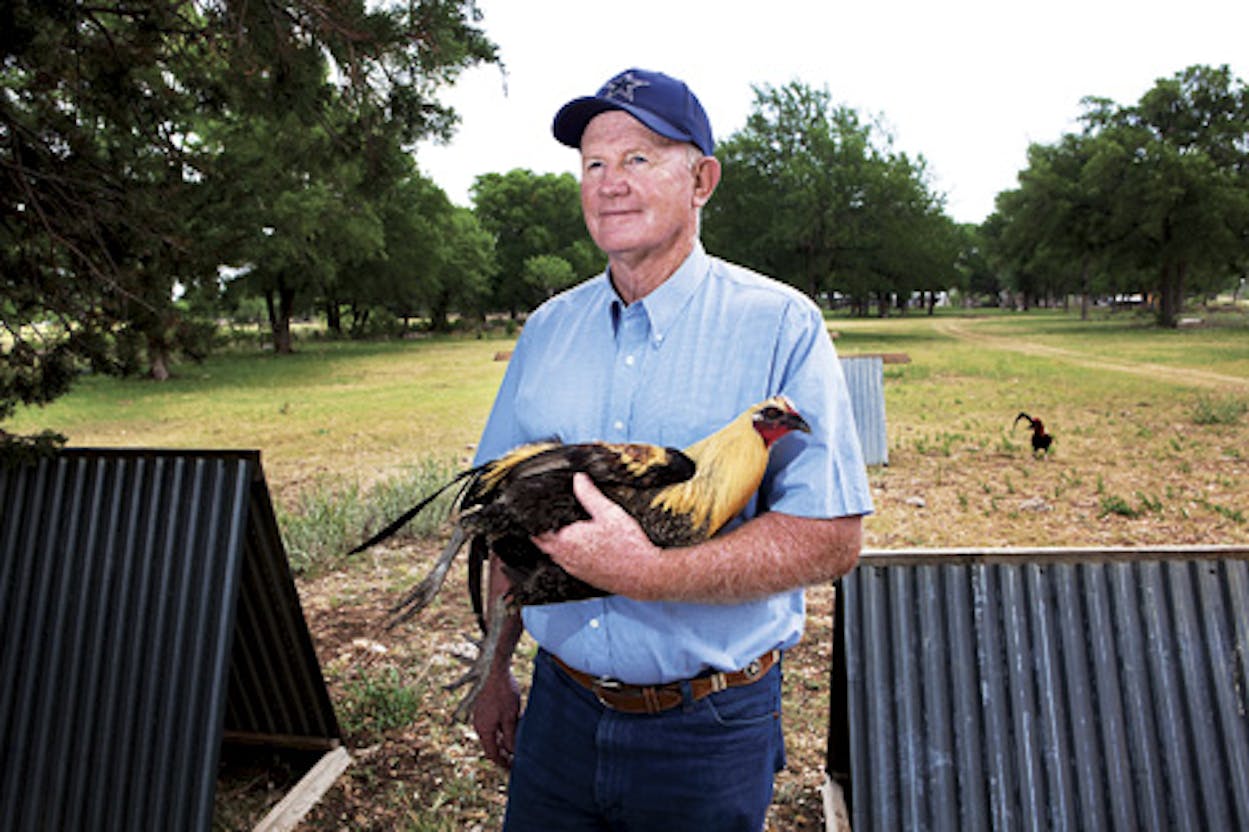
(651, 699)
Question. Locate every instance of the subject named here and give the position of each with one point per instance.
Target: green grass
(343, 411)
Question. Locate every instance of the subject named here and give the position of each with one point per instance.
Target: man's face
(638, 189)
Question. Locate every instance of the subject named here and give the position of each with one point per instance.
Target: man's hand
(772, 552)
(609, 551)
(495, 715)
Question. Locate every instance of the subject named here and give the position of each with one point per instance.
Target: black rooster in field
(1041, 440)
(678, 497)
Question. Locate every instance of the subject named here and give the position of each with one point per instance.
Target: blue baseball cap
(659, 101)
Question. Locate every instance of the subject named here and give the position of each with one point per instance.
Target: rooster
(1041, 440)
(678, 497)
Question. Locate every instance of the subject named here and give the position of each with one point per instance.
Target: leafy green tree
(532, 215)
(437, 257)
(97, 202)
(1056, 232)
(310, 164)
(293, 204)
(469, 265)
(112, 121)
(549, 273)
(1184, 188)
(817, 197)
(1153, 195)
(977, 278)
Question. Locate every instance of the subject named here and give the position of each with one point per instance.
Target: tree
(548, 273)
(96, 212)
(1155, 194)
(977, 277)
(818, 198)
(1183, 198)
(319, 158)
(110, 129)
(437, 257)
(532, 215)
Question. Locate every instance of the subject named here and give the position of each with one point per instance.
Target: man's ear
(706, 178)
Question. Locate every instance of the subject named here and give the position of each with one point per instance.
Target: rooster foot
(479, 669)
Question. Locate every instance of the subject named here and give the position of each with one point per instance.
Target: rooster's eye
(770, 413)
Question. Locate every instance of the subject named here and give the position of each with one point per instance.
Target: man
(666, 346)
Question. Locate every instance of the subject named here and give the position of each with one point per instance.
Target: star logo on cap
(623, 87)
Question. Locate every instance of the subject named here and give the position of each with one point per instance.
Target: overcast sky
(966, 83)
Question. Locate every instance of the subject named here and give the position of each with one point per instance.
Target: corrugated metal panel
(865, 377)
(277, 693)
(120, 579)
(1048, 690)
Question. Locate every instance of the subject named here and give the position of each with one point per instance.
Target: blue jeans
(705, 765)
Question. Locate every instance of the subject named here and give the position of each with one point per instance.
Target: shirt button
(593, 623)
(618, 425)
(629, 360)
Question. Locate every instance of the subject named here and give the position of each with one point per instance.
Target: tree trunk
(439, 312)
(1085, 267)
(1171, 295)
(280, 318)
(158, 360)
(333, 317)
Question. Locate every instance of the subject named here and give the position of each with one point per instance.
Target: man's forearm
(772, 553)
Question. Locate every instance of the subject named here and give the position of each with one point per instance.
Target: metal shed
(147, 612)
(1043, 689)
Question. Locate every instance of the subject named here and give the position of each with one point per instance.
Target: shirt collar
(665, 302)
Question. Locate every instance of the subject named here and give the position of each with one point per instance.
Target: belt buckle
(605, 684)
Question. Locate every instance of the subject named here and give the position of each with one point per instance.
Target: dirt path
(967, 330)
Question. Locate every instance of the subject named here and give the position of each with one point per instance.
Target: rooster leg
(476, 675)
(424, 592)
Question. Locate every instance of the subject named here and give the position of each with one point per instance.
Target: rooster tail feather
(421, 594)
(402, 520)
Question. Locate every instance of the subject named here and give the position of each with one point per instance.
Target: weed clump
(332, 517)
(1208, 410)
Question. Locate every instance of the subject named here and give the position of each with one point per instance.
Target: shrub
(1208, 410)
(331, 517)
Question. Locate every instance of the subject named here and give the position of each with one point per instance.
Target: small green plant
(1208, 410)
(1148, 503)
(942, 444)
(377, 701)
(1114, 504)
(1237, 516)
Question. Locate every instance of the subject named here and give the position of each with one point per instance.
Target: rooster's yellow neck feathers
(728, 468)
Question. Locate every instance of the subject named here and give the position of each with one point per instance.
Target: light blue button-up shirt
(669, 369)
